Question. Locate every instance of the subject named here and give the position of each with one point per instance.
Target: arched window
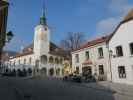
(56, 60)
(51, 59)
(44, 59)
(24, 61)
(19, 61)
(61, 61)
(30, 60)
(14, 63)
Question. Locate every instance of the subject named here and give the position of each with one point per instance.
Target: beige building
(93, 58)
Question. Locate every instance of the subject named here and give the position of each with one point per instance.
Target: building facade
(115, 52)
(121, 49)
(93, 58)
(41, 57)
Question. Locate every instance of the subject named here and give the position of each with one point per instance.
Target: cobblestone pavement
(56, 89)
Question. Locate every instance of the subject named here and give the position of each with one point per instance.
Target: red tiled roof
(54, 49)
(94, 42)
(23, 54)
(87, 62)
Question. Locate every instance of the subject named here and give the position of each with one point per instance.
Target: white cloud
(119, 7)
(106, 26)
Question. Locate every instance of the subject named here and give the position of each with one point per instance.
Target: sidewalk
(121, 89)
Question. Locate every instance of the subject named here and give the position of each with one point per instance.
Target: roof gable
(95, 42)
(126, 19)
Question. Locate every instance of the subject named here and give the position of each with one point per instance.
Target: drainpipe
(109, 60)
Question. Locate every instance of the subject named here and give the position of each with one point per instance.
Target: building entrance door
(87, 70)
(44, 71)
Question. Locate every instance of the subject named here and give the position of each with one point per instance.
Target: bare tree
(72, 41)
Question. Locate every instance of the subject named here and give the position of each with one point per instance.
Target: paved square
(54, 89)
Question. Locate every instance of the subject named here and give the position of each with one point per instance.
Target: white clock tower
(42, 37)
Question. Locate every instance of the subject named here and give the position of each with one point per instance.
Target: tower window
(45, 28)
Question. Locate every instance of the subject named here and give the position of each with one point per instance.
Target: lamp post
(110, 57)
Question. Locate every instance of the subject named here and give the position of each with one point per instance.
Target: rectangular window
(131, 48)
(87, 55)
(100, 52)
(119, 51)
(77, 58)
(121, 72)
(101, 70)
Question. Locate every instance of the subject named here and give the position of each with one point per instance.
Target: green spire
(43, 16)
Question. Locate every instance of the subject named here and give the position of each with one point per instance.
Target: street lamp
(9, 36)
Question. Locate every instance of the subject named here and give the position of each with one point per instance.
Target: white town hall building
(42, 57)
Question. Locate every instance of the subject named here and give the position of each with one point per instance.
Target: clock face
(42, 36)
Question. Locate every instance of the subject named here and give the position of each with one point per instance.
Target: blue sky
(92, 17)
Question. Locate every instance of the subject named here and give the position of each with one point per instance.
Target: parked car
(73, 78)
(88, 78)
(77, 78)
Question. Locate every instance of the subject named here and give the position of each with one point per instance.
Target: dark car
(88, 78)
(77, 78)
(73, 78)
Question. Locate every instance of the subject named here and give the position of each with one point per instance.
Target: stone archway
(51, 71)
(51, 59)
(44, 71)
(56, 61)
(36, 69)
(37, 63)
(44, 59)
(58, 71)
(29, 71)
